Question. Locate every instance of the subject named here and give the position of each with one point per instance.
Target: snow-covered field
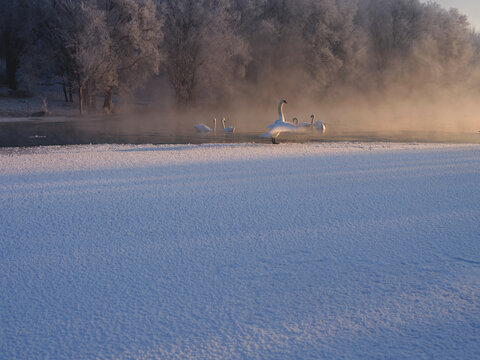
(296, 251)
(13, 106)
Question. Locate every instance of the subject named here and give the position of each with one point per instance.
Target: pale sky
(469, 7)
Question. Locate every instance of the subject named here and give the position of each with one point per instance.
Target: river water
(18, 132)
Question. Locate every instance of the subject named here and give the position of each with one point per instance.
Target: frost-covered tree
(299, 45)
(204, 54)
(98, 46)
(446, 41)
(79, 29)
(392, 27)
(414, 44)
(329, 38)
(135, 35)
(213, 50)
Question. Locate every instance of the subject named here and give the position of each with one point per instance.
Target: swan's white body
(315, 125)
(278, 128)
(308, 124)
(320, 126)
(202, 128)
(227, 129)
(280, 125)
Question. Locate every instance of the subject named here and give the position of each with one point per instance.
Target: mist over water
(372, 66)
(384, 66)
(441, 112)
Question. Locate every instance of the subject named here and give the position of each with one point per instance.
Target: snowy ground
(301, 251)
(13, 106)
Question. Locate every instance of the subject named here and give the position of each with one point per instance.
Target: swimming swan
(202, 128)
(280, 125)
(281, 117)
(319, 125)
(227, 129)
(308, 124)
(314, 125)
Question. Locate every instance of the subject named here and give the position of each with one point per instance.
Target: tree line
(213, 50)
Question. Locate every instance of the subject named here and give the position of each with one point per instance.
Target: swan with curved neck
(308, 124)
(227, 129)
(281, 117)
(280, 125)
(202, 128)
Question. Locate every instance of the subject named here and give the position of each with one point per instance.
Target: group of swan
(202, 128)
(275, 129)
(315, 125)
(281, 125)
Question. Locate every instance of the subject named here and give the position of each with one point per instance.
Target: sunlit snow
(295, 251)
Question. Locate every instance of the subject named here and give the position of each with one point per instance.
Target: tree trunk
(81, 100)
(86, 100)
(64, 87)
(70, 92)
(93, 102)
(108, 103)
(12, 62)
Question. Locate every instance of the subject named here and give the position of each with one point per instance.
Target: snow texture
(296, 251)
(13, 107)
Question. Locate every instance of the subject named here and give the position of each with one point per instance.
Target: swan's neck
(223, 124)
(214, 124)
(313, 118)
(280, 112)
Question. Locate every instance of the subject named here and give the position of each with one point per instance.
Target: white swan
(280, 125)
(281, 117)
(202, 128)
(308, 124)
(319, 125)
(227, 129)
(314, 125)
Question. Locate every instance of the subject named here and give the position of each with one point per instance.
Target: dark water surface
(75, 131)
